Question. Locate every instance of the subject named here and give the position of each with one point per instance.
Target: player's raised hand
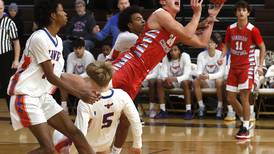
(196, 6)
(213, 12)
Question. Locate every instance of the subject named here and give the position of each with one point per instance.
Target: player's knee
(197, 83)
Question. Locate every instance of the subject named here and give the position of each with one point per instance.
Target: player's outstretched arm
(135, 123)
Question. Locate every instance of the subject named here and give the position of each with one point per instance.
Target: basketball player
(31, 103)
(241, 39)
(160, 33)
(131, 24)
(102, 117)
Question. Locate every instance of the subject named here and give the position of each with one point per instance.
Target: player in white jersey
(102, 117)
(210, 75)
(131, 24)
(31, 104)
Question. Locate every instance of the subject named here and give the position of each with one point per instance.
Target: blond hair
(100, 72)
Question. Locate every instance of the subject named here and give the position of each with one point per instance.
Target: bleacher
(262, 16)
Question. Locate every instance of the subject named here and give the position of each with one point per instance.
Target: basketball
(217, 2)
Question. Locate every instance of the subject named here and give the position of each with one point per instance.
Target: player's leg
(187, 96)
(232, 99)
(219, 90)
(42, 134)
(63, 123)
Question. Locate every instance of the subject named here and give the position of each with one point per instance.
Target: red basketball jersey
(242, 44)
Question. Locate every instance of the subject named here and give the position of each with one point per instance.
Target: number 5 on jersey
(107, 121)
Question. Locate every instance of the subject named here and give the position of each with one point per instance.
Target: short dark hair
(242, 4)
(43, 10)
(78, 43)
(125, 17)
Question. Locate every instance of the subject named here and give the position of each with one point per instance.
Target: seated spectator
(270, 77)
(13, 14)
(105, 51)
(209, 75)
(150, 82)
(76, 64)
(80, 26)
(111, 27)
(175, 73)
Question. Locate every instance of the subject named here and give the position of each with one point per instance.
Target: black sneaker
(243, 133)
(161, 114)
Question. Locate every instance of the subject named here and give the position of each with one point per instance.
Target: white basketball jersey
(30, 78)
(105, 115)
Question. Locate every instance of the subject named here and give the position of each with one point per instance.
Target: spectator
(15, 16)
(80, 26)
(210, 75)
(9, 43)
(219, 41)
(105, 51)
(175, 73)
(111, 26)
(76, 64)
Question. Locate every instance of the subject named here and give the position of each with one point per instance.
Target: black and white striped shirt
(8, 33)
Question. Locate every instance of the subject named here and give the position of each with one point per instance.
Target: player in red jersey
(160, 33)
(241, 39)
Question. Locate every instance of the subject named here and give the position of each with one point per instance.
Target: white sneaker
(230, 116)
(152, 113)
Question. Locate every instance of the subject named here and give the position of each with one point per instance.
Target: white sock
(115, 150)
(201, 103)
(246, 124)
(188, 107)
(163, 107)
(230, 109)
(220, 104)
(251, 109)
(151, 106)
(242, 119)
(64, 103)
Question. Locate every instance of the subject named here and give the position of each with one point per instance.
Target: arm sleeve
(200, 67)
(83, 117)
(39, 49)
(187, 68)
(104, 32)
(69, 64)
(134, 120)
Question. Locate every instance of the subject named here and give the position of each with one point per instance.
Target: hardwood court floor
(168, 136)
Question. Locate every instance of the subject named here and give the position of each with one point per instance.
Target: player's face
(79, 52)
(106, 49)
(123, 4)
(242, 13)
(137, 23)
(211, 47)
(175, 52)
(61, 16)
(172, 5)
(1, 8)
(80, 9)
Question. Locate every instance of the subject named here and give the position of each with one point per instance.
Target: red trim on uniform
(21, 110)
(14, 80)
(62, 144)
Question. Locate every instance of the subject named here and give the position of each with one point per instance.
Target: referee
(9, 51)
